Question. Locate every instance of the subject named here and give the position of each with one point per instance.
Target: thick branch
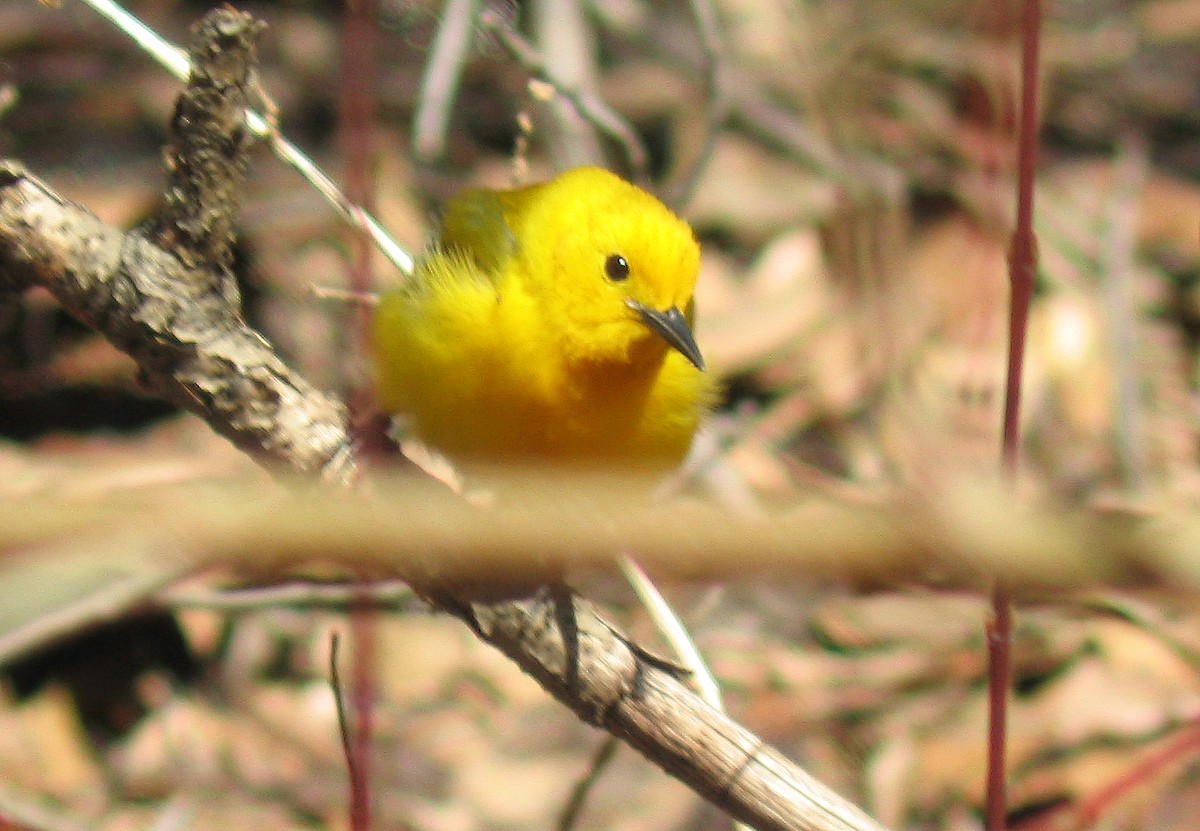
(208, 153)
(192, 349)
(610, 683)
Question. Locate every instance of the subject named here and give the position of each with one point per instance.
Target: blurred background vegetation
(848, 168)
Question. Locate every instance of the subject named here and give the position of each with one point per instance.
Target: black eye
(617, 268)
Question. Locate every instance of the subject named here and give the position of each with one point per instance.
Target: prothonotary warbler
(550, 325)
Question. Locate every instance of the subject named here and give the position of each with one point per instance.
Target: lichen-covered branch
(190, 346)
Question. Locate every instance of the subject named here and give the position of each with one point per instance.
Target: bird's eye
(617, 268)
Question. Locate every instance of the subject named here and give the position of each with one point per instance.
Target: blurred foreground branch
(136, 541)
(429, 535)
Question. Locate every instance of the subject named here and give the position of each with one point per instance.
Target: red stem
(999, 649)
(1177, 749)
(1022, 256)
(1022, 263)
(356, 127)
(362, 623)
(356, 121)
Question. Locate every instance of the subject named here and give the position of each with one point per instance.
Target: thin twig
(175, 61)
(603, 756)
(1120, 304)
(358, 298)
(590, 106)
(1177, 749)
(786, 132)
(673, 631)
(343, 715)
(440, 80)
(75, 585)
(676, 635)
(716, 110)
(381, 594)
(562, 34)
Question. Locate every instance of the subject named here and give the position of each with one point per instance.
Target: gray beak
(672, 327)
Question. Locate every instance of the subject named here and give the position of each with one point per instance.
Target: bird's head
(613, 268)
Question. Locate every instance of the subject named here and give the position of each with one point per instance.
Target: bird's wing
(476, 223)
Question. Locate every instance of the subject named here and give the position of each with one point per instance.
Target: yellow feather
(520, 339)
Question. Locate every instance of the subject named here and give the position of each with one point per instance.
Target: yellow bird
(550, 325)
